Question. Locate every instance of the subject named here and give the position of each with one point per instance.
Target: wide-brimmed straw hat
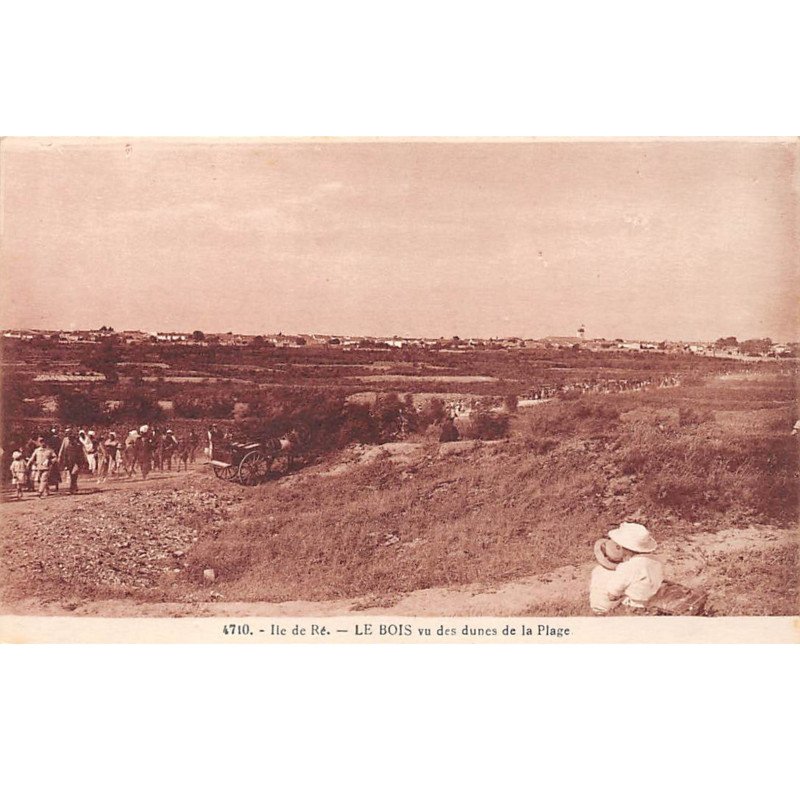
(633, 536)
(605, 555)
(16, 454)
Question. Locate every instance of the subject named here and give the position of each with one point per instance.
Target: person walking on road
(71, 458)
(27, 454)
(19, 473)
(110, 446)
(131, 454)
(41, 462)
(215, 440)
(90, 448)
(144, 450)
(193, 442)
(169, 445)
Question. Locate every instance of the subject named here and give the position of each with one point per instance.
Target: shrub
(200, 404)
(138, 405)
(357, 425)
(511, 403)
(387, 412)
(432, 412)
(692, 416)
(324, 421)
(542, 446)
(486, 425)
(77, 407)
(12, 398)
(448, 432)
(410, 415)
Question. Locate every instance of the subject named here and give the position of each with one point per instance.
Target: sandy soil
(687, 560)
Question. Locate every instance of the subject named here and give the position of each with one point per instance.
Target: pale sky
(653, 239)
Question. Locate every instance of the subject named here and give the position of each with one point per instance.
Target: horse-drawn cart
(252, 463)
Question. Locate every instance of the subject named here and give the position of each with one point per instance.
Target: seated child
(627, 573)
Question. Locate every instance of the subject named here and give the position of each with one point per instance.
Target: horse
(287, 446)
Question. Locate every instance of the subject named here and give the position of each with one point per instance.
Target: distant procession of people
(43, 462)
(464, 407)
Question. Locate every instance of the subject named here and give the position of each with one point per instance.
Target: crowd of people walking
(464, 407)
(601, 386)
(46, 461)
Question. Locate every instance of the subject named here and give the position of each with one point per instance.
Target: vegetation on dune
(756, 583)
(528, 505)
(204, 404)
(533, 491)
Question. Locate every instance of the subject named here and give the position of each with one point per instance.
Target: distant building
(563, 342)
(172, 337)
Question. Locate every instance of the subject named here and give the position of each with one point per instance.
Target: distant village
(724, 347)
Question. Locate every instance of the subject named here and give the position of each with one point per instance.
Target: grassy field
(527, 505)
(383, 520)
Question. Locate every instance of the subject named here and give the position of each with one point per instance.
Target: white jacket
(633, 582)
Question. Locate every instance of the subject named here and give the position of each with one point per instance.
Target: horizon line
(455, 337)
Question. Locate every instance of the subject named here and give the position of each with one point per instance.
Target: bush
(12, 398)
(387, 413)
(542, 446)
(409, 416)
(486, 425)
(692, 416)
(138, 405)
(200, 404)
(511, 403)
(75, 407)
(357, 425)
(432, 412)
(324, 421)
(448, 432)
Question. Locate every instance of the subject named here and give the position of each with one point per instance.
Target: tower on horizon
(582, 331)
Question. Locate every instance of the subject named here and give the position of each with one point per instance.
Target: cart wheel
(225, 473)
(253, 469)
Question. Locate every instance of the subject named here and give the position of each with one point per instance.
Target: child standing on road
(19, 473)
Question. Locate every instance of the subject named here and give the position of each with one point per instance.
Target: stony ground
(107, 541)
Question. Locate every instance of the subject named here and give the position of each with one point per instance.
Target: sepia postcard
(399, 390)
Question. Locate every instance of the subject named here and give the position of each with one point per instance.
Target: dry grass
(756, 583)
(718, 455)
(524, 506)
